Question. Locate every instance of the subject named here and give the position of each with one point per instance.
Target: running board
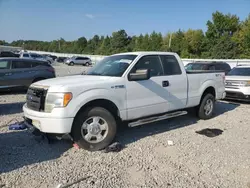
(157, 118)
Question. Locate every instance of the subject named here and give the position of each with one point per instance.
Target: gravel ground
(147, 160)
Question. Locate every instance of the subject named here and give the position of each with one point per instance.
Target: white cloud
(90, 16)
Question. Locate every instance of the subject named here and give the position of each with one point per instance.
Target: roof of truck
(147, 53)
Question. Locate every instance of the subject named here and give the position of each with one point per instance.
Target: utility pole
(59, 45)
(170, 40)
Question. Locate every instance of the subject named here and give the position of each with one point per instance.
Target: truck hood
(69, 81)
(238, 78)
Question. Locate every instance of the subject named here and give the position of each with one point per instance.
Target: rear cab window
(170, 65)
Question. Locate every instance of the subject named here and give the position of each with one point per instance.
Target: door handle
(8, 74)
(165, 83)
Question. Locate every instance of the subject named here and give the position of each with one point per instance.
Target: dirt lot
(147, 160)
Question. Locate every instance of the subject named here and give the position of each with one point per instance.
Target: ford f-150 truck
(135, 88)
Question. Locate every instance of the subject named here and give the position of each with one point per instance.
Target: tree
(226, 37)
(155, 42)
(242, 38)
(194, 40)
(221, 28)
(177, 42)
(119, 41)
(139, 43)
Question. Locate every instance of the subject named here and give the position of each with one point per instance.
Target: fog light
(36, 123)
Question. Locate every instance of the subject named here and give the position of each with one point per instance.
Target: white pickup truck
(136, 88)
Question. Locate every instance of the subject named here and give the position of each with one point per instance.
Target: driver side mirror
(143, 74)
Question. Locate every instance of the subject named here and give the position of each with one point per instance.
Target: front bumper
(48, 124)
(237, 96)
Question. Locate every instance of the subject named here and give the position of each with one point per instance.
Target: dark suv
(214, 65)
(18, 72)
(8, 54)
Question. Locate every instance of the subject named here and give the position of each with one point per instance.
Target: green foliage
(226, 37)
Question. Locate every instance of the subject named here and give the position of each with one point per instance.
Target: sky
(71, 19)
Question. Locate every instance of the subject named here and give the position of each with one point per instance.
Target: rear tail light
(51, 70)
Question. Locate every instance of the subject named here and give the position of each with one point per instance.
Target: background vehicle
(19, 72)
(53, 57)
(79, 61)
(136, 88)
(8, 54)
(214, 65)
(36, 56)
(238, 83)
(61, 59)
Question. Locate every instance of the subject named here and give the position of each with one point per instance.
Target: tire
(71, 63)
(88, 116)
(207, 100)
(87, 64)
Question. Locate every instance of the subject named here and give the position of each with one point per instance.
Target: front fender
(118, 98)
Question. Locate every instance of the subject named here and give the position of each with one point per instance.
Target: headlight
(245, 83)
(57, 100)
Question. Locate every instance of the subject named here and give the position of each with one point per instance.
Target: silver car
(36, 56)
(79, 61)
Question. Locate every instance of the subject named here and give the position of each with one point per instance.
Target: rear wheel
(206, 107)
(94, 128)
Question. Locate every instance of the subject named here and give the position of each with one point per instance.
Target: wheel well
(38, 79)
(104, 103)
(210, 90)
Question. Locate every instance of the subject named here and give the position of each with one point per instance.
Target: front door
(146, 97)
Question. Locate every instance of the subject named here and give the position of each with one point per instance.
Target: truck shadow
(130, 135)
(19, 149)
(11, 108)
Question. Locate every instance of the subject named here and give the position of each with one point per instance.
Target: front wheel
(206, 107)
(94, 129)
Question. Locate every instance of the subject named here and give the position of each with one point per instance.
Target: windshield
(240, 72)
(112, 66)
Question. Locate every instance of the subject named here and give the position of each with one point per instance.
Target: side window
(219, 67)
(39, 63)
(25, 55)
(4, 64)
(33, 55)
(78, 58)
(211, 67)
(170, 65)
(151, 62)
(18, 64)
